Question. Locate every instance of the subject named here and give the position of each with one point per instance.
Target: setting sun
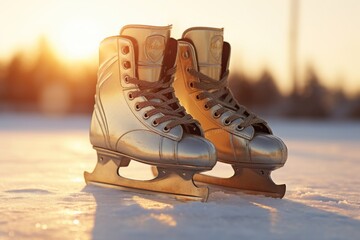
(76, 39)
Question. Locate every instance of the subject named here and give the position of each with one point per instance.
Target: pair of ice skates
(138, 116)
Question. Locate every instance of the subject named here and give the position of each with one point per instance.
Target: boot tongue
(208, 43)
(151, 42)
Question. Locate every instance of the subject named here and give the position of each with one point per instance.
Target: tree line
(47, 85)
(314, 100)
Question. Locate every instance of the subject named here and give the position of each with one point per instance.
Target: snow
(43, 194)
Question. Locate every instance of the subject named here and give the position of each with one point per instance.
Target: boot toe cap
(196, 151)
(268, 149)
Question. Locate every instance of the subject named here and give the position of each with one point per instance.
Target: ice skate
(241, 138)
(137, 117)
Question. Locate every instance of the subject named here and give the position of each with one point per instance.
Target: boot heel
(104, 156)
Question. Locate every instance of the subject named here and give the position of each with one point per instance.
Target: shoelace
(218, 93)
(160, 95)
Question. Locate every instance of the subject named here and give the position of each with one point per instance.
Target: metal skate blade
(176, 183)
(246, 180)
(237, 191)
(179, 197)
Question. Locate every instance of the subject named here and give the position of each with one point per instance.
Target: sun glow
(76, 39)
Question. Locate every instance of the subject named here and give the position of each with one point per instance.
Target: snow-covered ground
(43, 194)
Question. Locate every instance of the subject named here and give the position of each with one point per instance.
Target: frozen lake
(43, 194)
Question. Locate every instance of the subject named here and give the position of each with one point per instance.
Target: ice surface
(43, 194)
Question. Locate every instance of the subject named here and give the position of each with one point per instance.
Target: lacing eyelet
(216, 115)
(197, 97)
(206, 107)
(137, 107)
(186, 54)
(126, 65)
(227, 122)
(125, 50)
(166, 129)
(126, 79)
(145, 116)
(154, 123)
(130, 96)
(238, 128)
(188, 69)
(191, 85)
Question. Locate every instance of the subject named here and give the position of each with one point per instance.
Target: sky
(258, 30)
